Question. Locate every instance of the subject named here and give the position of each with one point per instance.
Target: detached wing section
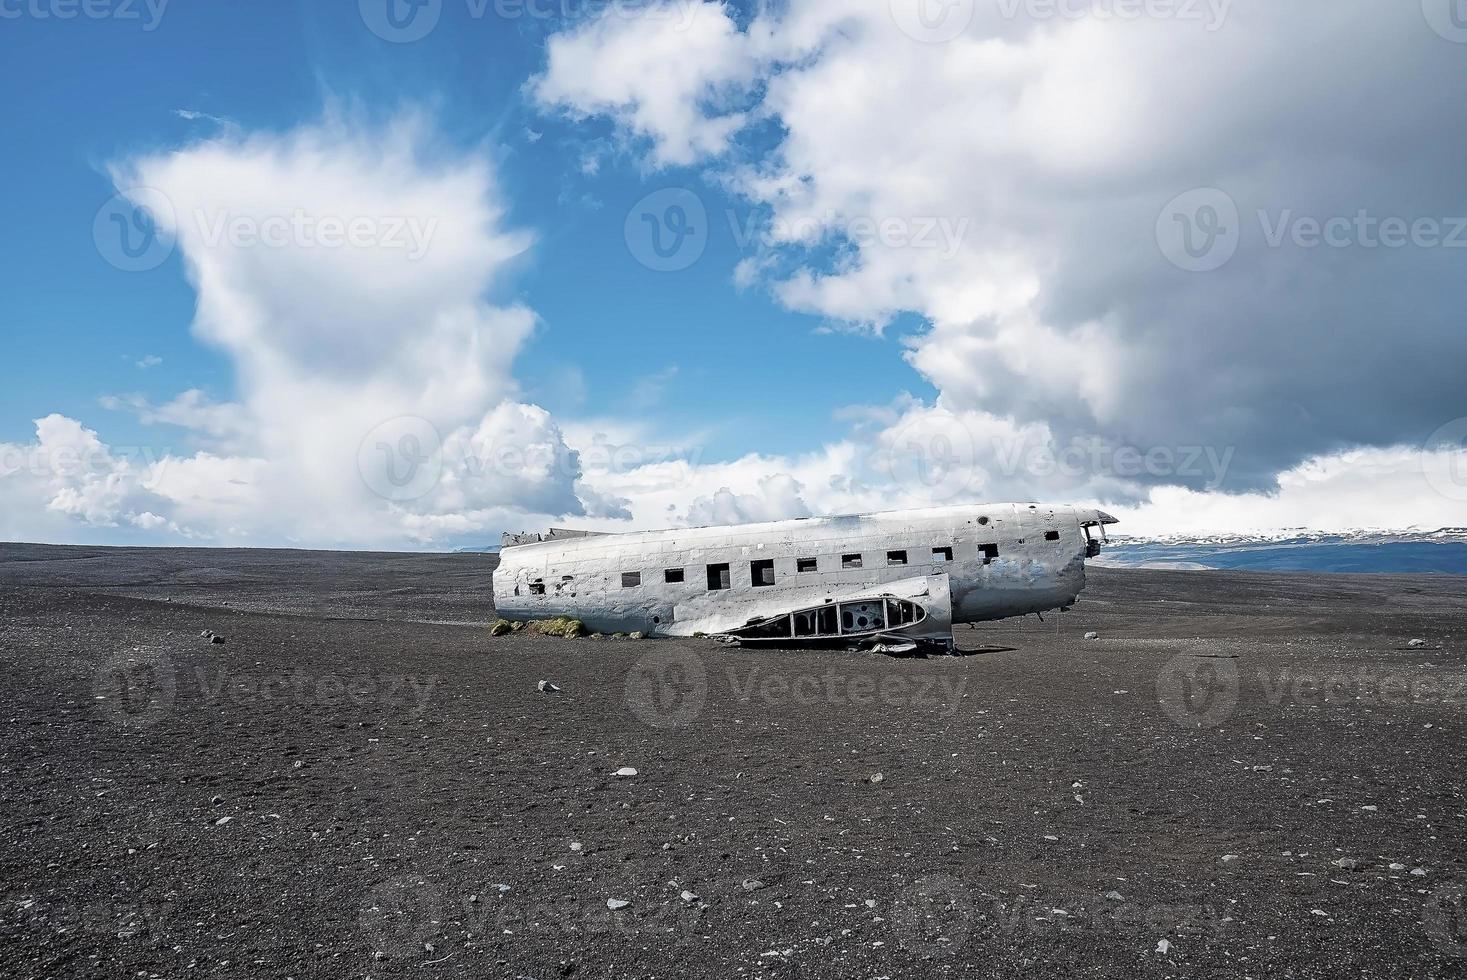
(896, 617)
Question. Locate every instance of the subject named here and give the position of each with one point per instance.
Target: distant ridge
(1442, 551)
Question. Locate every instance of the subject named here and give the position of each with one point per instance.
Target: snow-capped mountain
(1439, 551)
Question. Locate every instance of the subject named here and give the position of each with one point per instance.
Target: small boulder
(875, 777)
(616, 903)
(1115, 896)
(561, 626)
(625, 771)
(1351, 864)
(546, 687)
(215, 638)
(688, 896)
(500, 627)
(752, 884)
(638, 635)
(1416, 644)
(1092, 635)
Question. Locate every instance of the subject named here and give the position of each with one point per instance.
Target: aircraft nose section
(1105, 518)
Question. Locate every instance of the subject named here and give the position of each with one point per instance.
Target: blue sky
(916, 253)
(78, 325)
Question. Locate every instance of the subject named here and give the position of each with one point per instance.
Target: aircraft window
(761, 572)
(983, 520)
(673, 575)
(537, 588)
(630, 580)
(1051, 535)
(942, 554)
(718, 577)
(988, 551)
(850, 561)
(806, 564)
(896, 557)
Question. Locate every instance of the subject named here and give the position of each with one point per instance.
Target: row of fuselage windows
(761, 571)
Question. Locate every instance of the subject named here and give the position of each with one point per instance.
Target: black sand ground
(361, 782)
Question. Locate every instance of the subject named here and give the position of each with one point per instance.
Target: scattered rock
(561, 626)
(616, 903)
(1417, 644)
(206, 633)
(875, 777)
(752, 884)
(1397, 866)
(547, 688)
(688, 896)
(625, 771)
(216, 800)
(1419, 872)
(215, 638)
(1351, 864)
(1092, 635)
(222, 821)
(576, 846)
(1229, 858)
(1164, 947)
(1115, 896)
(500, 627)
(638, 635)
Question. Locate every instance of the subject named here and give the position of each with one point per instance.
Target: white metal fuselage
(1000, 560)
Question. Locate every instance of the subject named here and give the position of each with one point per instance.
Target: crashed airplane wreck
(895, 581)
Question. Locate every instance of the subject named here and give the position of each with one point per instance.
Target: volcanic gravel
(1242, 775)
